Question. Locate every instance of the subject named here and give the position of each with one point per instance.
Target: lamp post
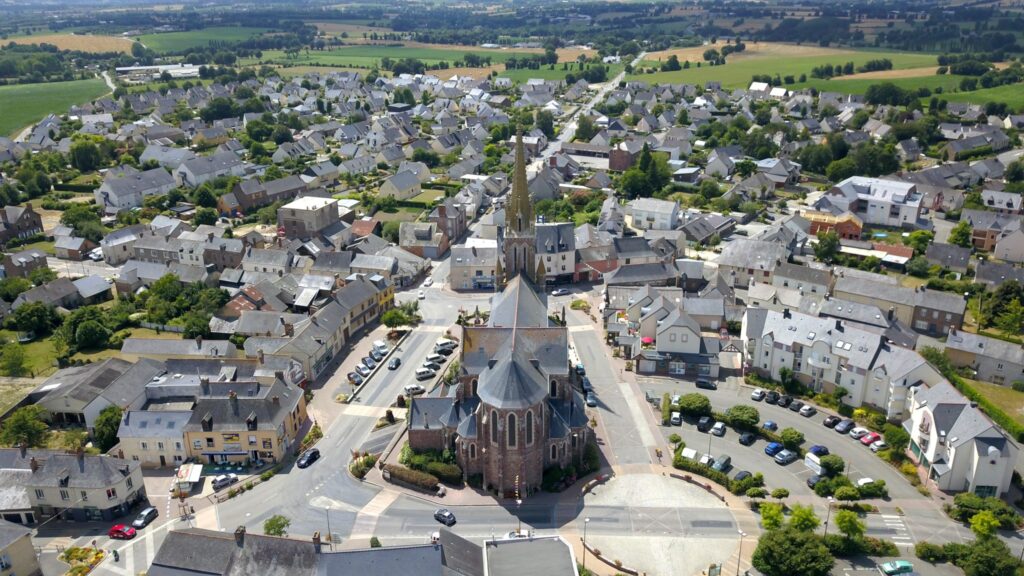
(586, 521)
(519, 502)
(828, 514)
(739, 556)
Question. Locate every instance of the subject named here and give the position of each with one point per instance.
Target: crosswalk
(900, 535)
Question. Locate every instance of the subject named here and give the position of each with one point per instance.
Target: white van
(435, 358)
(446, 343)
(381, 346)
(424, 373)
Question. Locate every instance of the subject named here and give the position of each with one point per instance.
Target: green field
(522, 74)
(181, 41)
(370, 56)
(25, 104)
(737, 74)
(1012, 94)
(859, 86)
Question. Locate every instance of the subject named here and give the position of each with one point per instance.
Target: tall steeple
(519, 241)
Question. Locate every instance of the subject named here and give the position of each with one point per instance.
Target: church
(513, 411)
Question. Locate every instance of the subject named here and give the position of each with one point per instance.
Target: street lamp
(519, 502)
(739, 557)
(828, 514)
(586, 521)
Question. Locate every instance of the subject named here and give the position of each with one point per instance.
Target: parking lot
(861, 462)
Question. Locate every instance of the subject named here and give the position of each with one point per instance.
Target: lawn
(40, 357)
(738, 69)
(11, 393)
(403, 214)
(1012, 94)
(1011, 401)
(182, 41)
(427, 197)
(45, 246)
(25, 104)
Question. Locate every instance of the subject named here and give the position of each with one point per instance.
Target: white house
(654, 214)
(875, 201)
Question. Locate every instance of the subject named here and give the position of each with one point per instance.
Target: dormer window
(250, 422)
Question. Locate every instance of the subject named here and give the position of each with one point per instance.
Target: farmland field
(25, 104)
(369, 56)
(1012, 94)
(79, 42)
(181, 41)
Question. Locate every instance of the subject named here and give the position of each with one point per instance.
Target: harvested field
(79, 42)
(754, 49)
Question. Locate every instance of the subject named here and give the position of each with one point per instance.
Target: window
(144, 445)
(40, 494)
(494, 427)
(111, 493)
(209, 442)
(511, 430)
(472, 451)
(268, 444)
(135, 457)
(252, 440)
(5, 563)
(178, 458)
(197, 444)
(672, 337)
(177, 445)
(529, 428)
(128, 482)
(554, 389)
(64, 495)
(85, 496)
(554, 451)
(160, 446)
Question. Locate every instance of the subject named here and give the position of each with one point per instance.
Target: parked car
(591, 399)
(121, 532)
(444, 516)
(705, 423)
(896, 567)
(425, 373)
(771, 397)
(818, 450)
(376, 355)
(443, 351)
(757, 395)
(587, 387)
(676, 398)
(580, 370)
(559, 292)
(796, 405)
(773, 448)
(785, 457)
(742, 475)
(864, 482)
(706, 460)
(831, 421)
(676, 419)
(813, 481)
(394, 363)
(878, 445)
(705, 384)
(807, 411)
(355, 378)
(432, 366)
(652, 398)
(723, 463)
(785, 401)
(362, 370)
(224, 480)
(859, 432)
(435, 358)
(845, 426)
(428, 281)
(770, 425)
(308, 457)
(718, 429)
(146, 516)
(870, 438)
(414, 389)
(369, 362)
(420, 295)
(747, 438)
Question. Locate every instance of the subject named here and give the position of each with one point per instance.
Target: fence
(162, 327)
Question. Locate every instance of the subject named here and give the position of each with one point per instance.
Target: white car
(859, 432)
(414, 389)
(878, 445)
(864, 482)
(421, 295)
(363, 370)
(559, 292)
(428, 282)
(757, 395)
(807, 411)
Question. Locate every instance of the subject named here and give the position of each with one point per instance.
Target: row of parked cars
(432, 364)
(365, 366)
(783, 401)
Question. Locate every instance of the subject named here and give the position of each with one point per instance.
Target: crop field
(24, 104)
(79, 42)
(368, 56)
(854, 85)
(180, 41)
(767, 57)
(1012, 94)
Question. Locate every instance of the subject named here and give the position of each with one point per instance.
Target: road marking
(150, 548)
(366, 519)
(581, 328)
(891, 516)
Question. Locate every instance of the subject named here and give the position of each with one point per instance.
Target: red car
(870, 438)
(121, 532)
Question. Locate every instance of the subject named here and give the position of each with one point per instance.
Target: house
(125, 188)
(702, 229)
(59, 293)
(987, 228)
(202, 169)
(743, 260)
(992, 360)
(846, 225)
(77, 395)
(163, 349)
(1011, 247)
(72, 248)
(927, 311)
(154, 439)
(167, 156)
(473, 268)
(1002, 202)
(802, 278)
(119, 246)
(313, 342)
(949, 256)
(556, 251)
(401, 186)
(956, 446)
(19, 222)
(249, 195)
(93, 289)
(17, 554)
(653, 214)
(992, 274)
(679, 349)
(21, 264)
(423, 239)
(875, 201)
(305, 217)
(451, 218)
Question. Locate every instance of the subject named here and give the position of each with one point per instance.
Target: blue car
(818, 450)
(773, 448)
(770, 425)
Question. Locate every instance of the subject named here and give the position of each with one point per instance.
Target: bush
(374, 542)
(742, 417)
(929, 552)
(591, 458)
(447, 473)
(966, 505)
(879, 547)
(791, 438)
(553, 477)
(694, 404)
(666, 409)
(742, 486)
(681, 463)
(414, 478)
(875, 489)
(847, 493)
(360, 466)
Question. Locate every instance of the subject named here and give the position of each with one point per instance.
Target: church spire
(519, 212)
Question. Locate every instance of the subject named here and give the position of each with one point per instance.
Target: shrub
(875, 489)
(447, 473)
(591, 457)
(742, 417)
(694, 404)
(675, 438)
(966, 505)
(697, 468)
(929, 552)
(847, 493)
(791, 438)
(832, 465)
(879, 547)
(552, 480)
(666, 409)
(361, 465)
(374, 542)
(954, 551)
(908, 469)
(415, 478)
(742, 486)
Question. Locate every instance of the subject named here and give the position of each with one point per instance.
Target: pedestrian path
(366, 520)
(901, 535)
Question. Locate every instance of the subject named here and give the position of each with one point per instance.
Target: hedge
(65, 187)
(706, 471)
(447, 473)
(412, 477)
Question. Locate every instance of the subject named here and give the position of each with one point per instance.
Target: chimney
(316, 542)
(276, 400)
(785, 313)
(210, 236)
(33, 464)
(892, 312)
(233, 399)
(259, 355)
(204, 385)
(240, 535)
(80, 453)
(279, 374)
(289, 329)
(839, 325)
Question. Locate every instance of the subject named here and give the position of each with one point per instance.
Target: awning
(189, 473)
(242, 453)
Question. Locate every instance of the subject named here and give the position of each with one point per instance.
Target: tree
(745, 168)
(25, 426)
(896, 437)
(849, 524)
(1014, 171)
(105, 428)
(42, 275)
(832, 465)
(827, 247)
(205, 216)
(771, 514)
(742, 416)
(987, 556)
(13, 359)
(91, 335)
(803, 518)
(791, 438)
(546, 122)
(276, 525)
(585, 129)
(10, 288)
(85, 155)
(780, 494)
(1012, 318)
(34, 317)
(984, 524)
(787, 551)
(919, 240)
(694, 404)
(960, 235)
(395, 318)
(847, 493)
(919, 267)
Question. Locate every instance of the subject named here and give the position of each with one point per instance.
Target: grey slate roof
(11, 533)
(518, 306)
(144, 424)
(512, 382)
(985, 346)
(533, 556)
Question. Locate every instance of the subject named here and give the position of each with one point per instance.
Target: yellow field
(753, 50)
(79, 42)
(354, 31)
